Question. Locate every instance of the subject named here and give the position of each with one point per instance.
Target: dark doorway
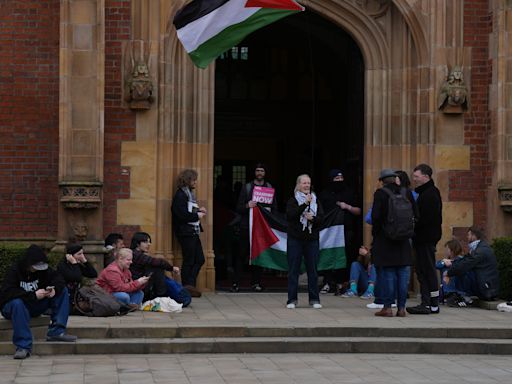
(292, 96)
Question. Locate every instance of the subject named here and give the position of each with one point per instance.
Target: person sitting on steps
(362, 276)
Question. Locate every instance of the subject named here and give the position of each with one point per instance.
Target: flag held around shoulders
(268, 240)
(207, 28)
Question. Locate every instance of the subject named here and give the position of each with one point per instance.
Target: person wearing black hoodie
(29, 288)
(74, 267)
(428, 232)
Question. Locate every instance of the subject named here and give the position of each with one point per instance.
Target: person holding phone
(28, 290)
(304, 214)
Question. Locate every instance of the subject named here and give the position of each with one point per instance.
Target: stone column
(81, 109)
(500, 193)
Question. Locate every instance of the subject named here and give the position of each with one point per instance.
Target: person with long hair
(304, 214)
(186, 221)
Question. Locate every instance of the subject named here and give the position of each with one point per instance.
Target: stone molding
(80, 195)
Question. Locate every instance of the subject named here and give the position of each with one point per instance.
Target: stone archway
(397, 125)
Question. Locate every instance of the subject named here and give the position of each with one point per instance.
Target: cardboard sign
(263, 195)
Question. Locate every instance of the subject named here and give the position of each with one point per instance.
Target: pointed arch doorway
(291, 96)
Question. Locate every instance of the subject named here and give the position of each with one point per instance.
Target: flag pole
(313, 92)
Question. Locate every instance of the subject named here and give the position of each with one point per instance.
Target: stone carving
(374, 8)
(80, 230)
(80, 195)
(505, 196)
(453, 97)
(138, 83)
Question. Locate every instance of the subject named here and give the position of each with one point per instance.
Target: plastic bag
(162, 304)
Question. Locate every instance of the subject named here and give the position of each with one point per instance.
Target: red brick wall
(29, 118)
(119, 120)
(471, 185)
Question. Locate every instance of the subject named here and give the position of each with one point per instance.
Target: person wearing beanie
(338, 195)
(28, 290)
(243, 207)
(74, 267)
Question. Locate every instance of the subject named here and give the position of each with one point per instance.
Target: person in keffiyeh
(304, 214)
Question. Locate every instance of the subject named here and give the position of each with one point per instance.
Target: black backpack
(399, 224)
(95, 302)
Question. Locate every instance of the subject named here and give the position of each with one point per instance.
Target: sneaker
(325, 289)
(235, 288)
(257, 288)
(419, 310)
(349, 293)
(367, 295)
(21, 354)
(456, 301)
(290, 306)
(317, 306)
(62, 337)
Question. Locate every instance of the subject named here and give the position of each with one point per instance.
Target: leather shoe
(384, 312)
(400, 313)
(194, 292)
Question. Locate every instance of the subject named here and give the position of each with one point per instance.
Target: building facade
(101, 108)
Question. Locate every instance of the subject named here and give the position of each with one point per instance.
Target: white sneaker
(317, 305)
(378, 306)
(290, 306)
(325, 289)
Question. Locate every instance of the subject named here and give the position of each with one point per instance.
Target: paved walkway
(269, 309)
(255, 369)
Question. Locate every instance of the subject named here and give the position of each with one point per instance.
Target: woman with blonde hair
(304, 215)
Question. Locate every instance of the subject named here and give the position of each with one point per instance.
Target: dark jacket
(483, 262)
(430, 207)
(339, 191)
(142, 263)
(246, 196)
(181, 217)
(20, 283)
(293, 213)
(387, 252)
(73, 274)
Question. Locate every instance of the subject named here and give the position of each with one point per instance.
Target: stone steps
(271, 345)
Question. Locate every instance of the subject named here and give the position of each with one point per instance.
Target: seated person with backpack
(449, 292)
(477, 273)
(362, 276)
(117, 280)
(73, 268)
(159, 284)
(30, 288)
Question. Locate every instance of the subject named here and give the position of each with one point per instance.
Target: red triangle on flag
(276, 4)
(262, 235)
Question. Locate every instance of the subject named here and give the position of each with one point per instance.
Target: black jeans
(193, 259)
(426, 272)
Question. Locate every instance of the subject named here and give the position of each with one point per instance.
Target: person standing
(245, 203)
(186, 222)
(338, 195)
(304, 214)
(392, 255)
(428, 232)
(30, 288)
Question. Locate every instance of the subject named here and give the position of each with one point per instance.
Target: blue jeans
(129, 297)
(393, 282)
(20, 312)
(359, 275)
(296, 249)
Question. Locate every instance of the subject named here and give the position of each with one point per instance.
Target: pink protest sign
(263, 195)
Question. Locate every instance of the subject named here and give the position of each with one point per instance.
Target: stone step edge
(272, 345)
(187, 332)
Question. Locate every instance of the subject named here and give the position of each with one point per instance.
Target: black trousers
(243, 259)
(156, 286)
(193, 259)
(426, 272)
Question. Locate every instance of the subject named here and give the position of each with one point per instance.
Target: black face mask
(337, 186)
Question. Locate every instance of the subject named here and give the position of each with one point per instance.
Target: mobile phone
(149, 274)
(49, 288)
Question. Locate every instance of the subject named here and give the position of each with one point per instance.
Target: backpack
(399, 224)
(95, 302)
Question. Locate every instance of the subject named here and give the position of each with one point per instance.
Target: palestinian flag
(268, 240)
(207, 28)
